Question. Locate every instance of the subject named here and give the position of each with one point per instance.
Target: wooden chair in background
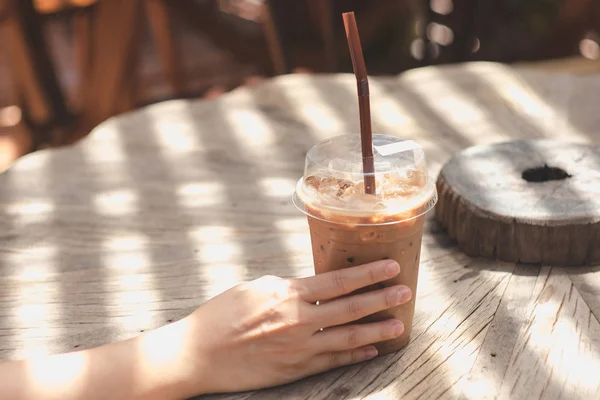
(37, 90)
(106, 44)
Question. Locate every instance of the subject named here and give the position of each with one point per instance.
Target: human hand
(271, 331)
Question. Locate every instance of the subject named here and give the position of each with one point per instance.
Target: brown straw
(362, 83)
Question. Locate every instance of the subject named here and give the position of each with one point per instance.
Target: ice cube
(359, 187)
(329, 186)
(413, 177)
(416, 178)
(344, 186)
(352, 190)
(312, 181)
(363, 201)
(398, 191)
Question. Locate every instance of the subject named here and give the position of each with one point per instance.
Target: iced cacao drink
(349, 227)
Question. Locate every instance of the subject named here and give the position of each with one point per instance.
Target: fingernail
(404, 294)
(397, 328)
(371, 352)
(392, 268)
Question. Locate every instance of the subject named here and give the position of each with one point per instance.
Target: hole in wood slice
(545, 174)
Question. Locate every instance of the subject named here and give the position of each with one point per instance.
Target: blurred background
(66, 65)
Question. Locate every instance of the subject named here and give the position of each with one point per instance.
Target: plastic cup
(349, 227)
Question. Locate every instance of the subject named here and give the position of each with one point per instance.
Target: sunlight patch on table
(297, 242)
(127, 252)
(133, 295)
(294, 234)
(200, 194)
(512, 89)
(215, 253)
(251, 129)
(388, 112)
(36, 310)
(104, 145)
(426, 283)
(215, 244)
(309, 105)
(211, 233)
(478, 388)
(296, 224)
(134, 299)
(428, 310)
(42, 252)
(451, 342)
(33, 162)
(126, 242)
(552, 338)
(34, 263)
(459, 358)
(116, 202)
(298, 252)
(295, 238)
(461, 113)
(127, 261)
(447, 100)
(559, 341)
(278, 187)
(320, 116)
(125, 281)
(34, 271)
(389, 394)
(221, 277)
(219, 256)
(37, 316)
(38, 305)
(29, 208)
(174, 131)
(525, 101)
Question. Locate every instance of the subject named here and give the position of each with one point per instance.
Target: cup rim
(428, 203)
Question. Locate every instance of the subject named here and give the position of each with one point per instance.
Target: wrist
(168, 363)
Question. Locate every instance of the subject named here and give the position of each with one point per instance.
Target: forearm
(152, 366)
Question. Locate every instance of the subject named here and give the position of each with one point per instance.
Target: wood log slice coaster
(526, 201)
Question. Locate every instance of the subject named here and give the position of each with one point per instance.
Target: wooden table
(160, 209)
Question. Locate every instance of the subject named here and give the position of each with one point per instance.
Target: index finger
(337, 283)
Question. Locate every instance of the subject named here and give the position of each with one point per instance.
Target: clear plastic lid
(332, 187)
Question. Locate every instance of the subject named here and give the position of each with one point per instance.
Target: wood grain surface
(162, 208)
